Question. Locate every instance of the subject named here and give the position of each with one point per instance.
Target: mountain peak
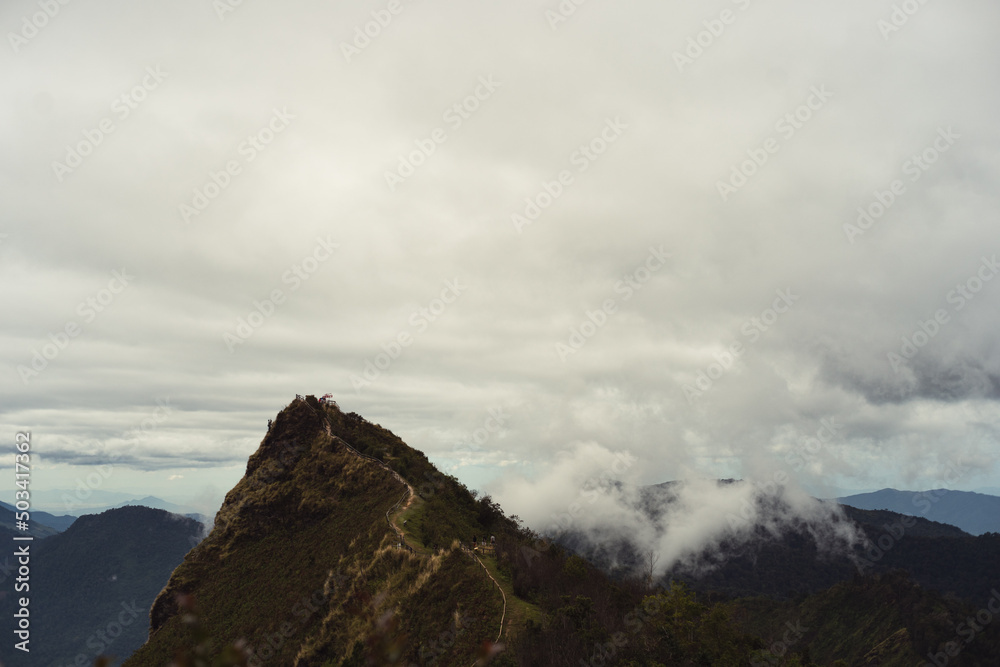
(314, 529)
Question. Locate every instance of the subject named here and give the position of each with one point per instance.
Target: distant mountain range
(92, 586)
(95, 501)
(975, 513)
(76, 502)
(160, 504)
(343, 546)
(936, 555)
(41, 524)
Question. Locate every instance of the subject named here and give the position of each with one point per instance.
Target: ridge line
(410, 492)
(503, 615)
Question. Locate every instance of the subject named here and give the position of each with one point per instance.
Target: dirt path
(499, 588)
(410, 495)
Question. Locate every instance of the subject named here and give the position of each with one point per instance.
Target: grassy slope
(310, 516)
(443, 511)
(450, 512)
(886, 617)
(305, 513)
(458, 591)
(519, 611)
(85, 575)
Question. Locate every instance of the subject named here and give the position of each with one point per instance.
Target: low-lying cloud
(591, 498)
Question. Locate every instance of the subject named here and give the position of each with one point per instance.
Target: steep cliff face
(303, 568)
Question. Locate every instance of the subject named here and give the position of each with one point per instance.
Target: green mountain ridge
(975, 513)
(342, 546)
(43, 521)
(91, 586)
(303, 563)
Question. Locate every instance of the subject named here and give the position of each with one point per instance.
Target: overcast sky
(633, 228)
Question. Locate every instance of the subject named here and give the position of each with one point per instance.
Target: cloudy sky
(724, 239)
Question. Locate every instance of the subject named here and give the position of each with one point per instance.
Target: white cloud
(656, 185)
